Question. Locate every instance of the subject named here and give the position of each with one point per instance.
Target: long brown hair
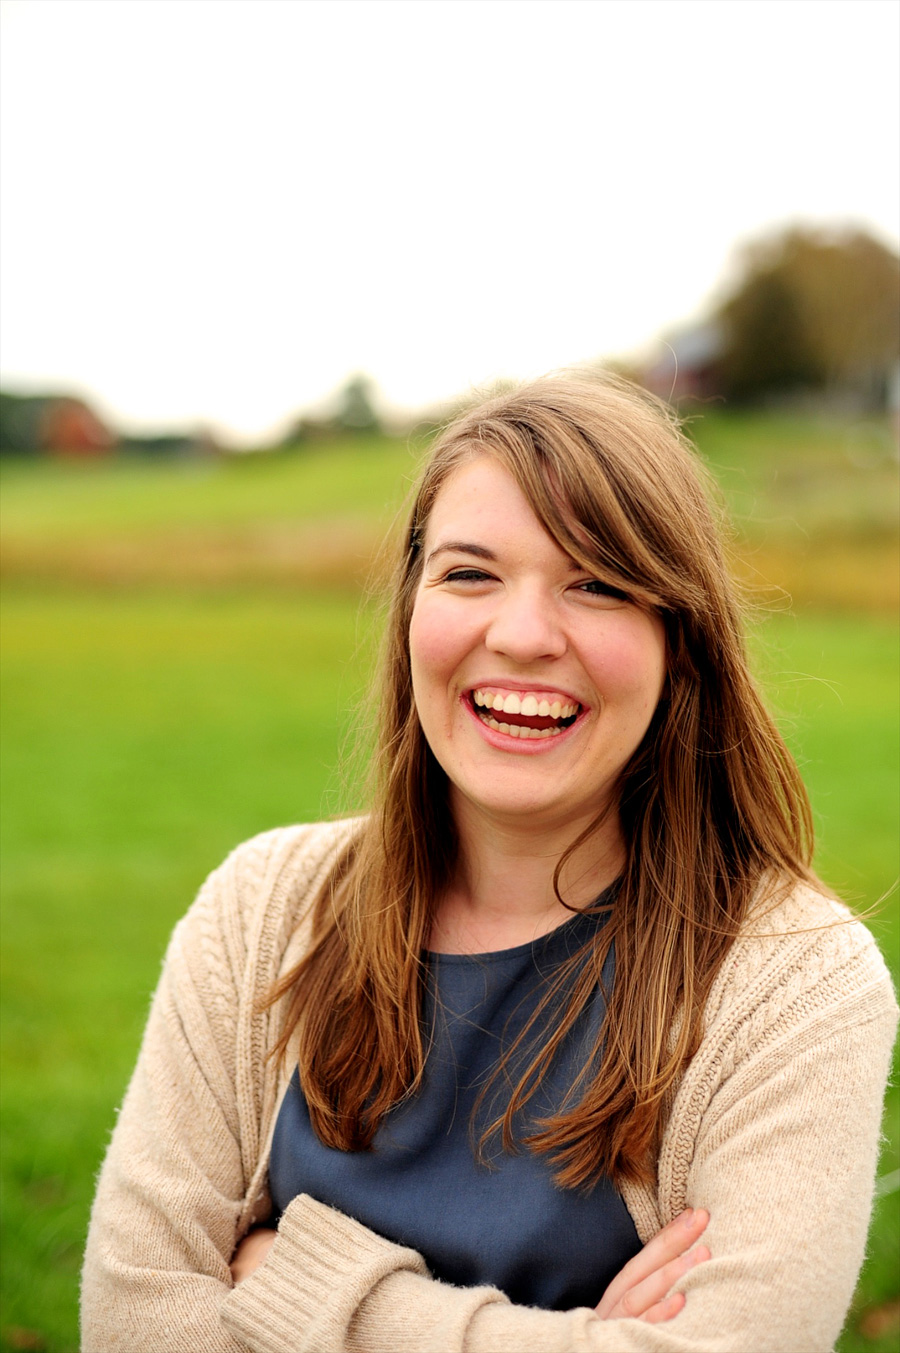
(711, 804)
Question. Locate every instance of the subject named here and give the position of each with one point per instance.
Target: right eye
(466, 575)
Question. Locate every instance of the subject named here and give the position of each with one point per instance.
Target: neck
(502, 892)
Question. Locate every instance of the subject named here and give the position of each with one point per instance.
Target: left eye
(595, 588)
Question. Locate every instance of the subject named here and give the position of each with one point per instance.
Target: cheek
(434, 644)
(631, 663)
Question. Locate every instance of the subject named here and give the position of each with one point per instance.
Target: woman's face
(533, 681)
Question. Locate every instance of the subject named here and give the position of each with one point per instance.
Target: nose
(525, 627)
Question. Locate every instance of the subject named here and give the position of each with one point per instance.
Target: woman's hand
(253, 1249)
(641, 1290)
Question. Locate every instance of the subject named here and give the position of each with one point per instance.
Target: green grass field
(157, 711)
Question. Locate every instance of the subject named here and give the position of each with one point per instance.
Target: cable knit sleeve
(185, 1174)
(775, 1130)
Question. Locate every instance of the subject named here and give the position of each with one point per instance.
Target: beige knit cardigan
(774, 1129)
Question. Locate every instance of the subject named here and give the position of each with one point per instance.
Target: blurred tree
(21, 419)
(356, 412)
(306, 429)
(350, 410)
(815, 310)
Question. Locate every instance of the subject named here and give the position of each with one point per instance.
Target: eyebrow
(479, 551)
(461, 547)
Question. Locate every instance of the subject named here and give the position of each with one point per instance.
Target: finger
(640, 1299)
(665, 1309)
(672, 1241)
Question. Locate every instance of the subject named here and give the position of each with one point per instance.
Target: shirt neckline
(544, 941)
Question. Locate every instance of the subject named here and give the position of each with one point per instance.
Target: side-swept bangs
(612, 480)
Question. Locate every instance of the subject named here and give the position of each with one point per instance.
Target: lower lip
(521, 746)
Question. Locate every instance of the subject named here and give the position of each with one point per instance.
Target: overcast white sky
(216, 210)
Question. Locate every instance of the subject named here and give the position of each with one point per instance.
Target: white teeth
(516, 731)
(529, 705)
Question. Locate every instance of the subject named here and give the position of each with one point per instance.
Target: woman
(431, 1079)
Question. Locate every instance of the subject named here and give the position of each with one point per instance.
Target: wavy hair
(711, 805)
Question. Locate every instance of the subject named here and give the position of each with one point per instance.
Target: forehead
(480, 493)
(481, 497)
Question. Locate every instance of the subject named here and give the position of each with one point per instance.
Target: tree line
(814, 312)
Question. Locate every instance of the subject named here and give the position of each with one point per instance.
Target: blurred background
(252, 255)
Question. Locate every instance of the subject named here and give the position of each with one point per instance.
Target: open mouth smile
(524, 714)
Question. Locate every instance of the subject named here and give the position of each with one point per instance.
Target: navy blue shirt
(505, 1222)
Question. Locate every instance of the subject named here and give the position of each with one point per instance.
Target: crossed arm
(779, 1280)
(642, 1290)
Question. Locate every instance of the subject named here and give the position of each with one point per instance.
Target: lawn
(152, 719)
(144, 738)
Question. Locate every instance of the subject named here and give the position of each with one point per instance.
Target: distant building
(55, 424)
(688, 365)
(171, 445)
(65, 426)
(70, 428)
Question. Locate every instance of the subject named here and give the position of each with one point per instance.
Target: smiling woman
(480, 1070)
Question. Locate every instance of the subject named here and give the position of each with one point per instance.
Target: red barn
(70, 428)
